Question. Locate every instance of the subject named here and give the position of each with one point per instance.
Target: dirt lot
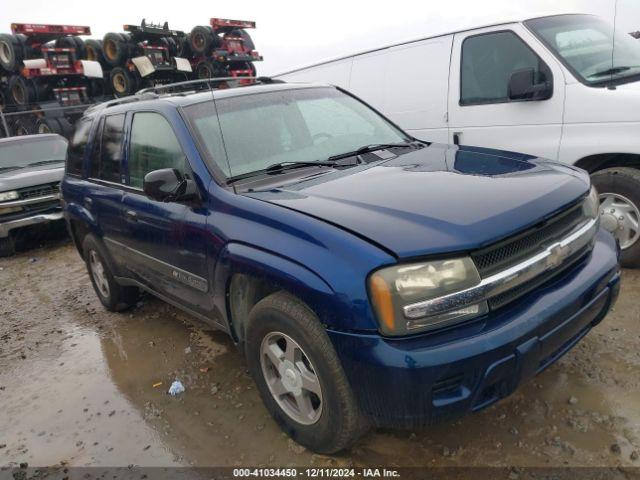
(82, 386)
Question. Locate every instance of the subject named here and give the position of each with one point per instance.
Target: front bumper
(417, 381)
(6, 227)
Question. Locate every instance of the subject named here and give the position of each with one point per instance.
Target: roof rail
(208, 83)
(122, 101)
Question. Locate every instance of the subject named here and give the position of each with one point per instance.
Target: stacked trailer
(40, 58)
(222, 49)
(143, 56)
(42, 70)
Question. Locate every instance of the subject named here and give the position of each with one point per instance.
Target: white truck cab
(564, 87)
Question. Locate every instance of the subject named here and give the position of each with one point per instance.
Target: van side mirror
(168, 185)
(522, 86)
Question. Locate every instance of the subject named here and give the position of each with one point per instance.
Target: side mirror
(522, 86)
(168, 185)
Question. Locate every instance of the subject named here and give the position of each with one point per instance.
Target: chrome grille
(39, 191)
(509, 252)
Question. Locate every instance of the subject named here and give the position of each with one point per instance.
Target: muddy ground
(84, 387)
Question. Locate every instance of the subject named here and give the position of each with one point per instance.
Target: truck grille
(39, 191)
(514, 250)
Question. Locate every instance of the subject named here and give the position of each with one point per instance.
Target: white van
(544, 86)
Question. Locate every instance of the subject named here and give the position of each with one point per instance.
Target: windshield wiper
(370, 148)
(44, 162)
(13, 167)
(612, 71)
(279, 167)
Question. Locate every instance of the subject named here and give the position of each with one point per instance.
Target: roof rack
(122, 101)
(208, 84)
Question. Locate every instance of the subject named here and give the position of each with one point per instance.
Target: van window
(77, 147)
(487, 63)
(153, 146)
(107, 153)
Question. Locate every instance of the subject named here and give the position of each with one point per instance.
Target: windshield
(303, 125)
(25, 152)
(585, 44)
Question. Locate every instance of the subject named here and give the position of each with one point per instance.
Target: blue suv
(369, 278)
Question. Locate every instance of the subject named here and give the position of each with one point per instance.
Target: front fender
(280, 272)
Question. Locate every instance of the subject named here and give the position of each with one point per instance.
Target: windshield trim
(592, 84)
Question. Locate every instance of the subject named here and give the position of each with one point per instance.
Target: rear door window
(106, 157)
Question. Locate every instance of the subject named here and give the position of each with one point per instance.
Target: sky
(295, 33)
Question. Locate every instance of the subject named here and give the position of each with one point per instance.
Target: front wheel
(619, 190)
(7, 246)
(299, 375)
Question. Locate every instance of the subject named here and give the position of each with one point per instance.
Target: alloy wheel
(291, 378)
(99, 274)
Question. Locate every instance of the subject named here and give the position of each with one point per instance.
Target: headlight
(394, 288)
(591, 204)
(7, 196)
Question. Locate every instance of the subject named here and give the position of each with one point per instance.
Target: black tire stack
(117, 49)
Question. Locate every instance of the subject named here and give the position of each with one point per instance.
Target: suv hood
(28, 177)
(436, 199)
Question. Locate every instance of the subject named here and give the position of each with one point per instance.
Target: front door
(166, 244)
(480, 112)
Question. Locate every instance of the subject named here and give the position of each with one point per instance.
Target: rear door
(165, 244)
(480, 112)
(105, 180)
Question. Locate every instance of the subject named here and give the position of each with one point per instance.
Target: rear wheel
(112, 295)
(619, 190)
(21, 90)
(299, 375)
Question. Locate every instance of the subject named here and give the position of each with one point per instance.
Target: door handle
(456, 138)
(131, 215)
(88, 202)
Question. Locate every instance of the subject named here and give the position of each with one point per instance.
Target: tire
(246, 39)
(48, 125)
(11, 52)
(209, 69)
(184, 46)
(22, 91)
(24, 126)
(122, 82)
(115, 49)
(172, 46)
(335, 421)
(112, 295)
(94, 50)
(201, 40)
(7, 246)
(72, 42)
(623, 186)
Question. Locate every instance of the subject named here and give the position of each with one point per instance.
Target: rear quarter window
(78, 146)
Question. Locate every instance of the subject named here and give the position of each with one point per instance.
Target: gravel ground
(80, 386)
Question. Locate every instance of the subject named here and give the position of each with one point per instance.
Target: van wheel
(299, 376)
(113, 296)
(7, 246)
(619, 190)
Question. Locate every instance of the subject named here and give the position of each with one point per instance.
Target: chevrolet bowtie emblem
(557, 254)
